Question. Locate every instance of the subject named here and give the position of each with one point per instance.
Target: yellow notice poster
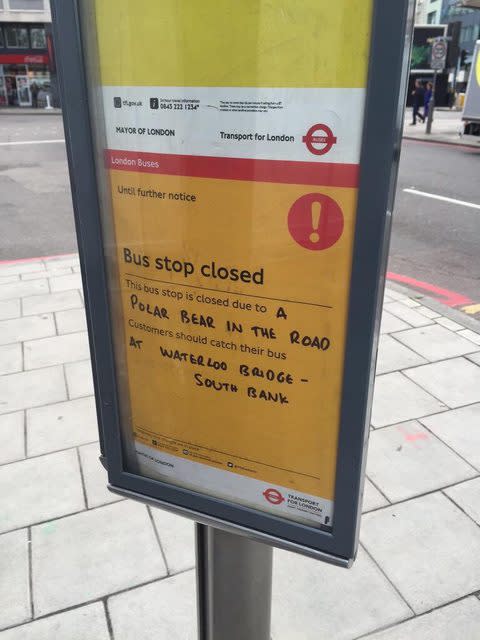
(233, 134)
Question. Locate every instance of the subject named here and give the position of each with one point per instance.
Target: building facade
(428, 12)
(452, 11)
(26, 54)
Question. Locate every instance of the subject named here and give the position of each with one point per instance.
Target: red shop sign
(23, 58)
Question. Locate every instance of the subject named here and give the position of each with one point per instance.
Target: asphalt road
(433, 241)
(36, 216)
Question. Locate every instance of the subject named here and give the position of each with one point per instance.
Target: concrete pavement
(36, 215)
(447, 127)
(78, 563)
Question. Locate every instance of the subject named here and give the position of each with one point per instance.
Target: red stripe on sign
(283, 171)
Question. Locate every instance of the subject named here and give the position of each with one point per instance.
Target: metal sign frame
(382, 128)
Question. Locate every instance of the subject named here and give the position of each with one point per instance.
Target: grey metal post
(431, 106)
(234, 586)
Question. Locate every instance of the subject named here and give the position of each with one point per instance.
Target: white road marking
(443, 198)
(15, 142)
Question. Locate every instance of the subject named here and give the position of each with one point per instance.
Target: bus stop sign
(232, 170)
(439, 54)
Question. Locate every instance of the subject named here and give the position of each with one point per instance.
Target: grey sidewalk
(447, 128)
(78, 563)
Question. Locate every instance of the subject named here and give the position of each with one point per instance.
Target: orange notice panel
(233, 173)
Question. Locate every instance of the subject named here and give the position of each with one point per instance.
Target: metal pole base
(234, 586)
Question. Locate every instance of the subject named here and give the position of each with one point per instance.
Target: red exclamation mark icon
(316, 213)
(315, 221)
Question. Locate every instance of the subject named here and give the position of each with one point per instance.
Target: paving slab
(393, 356)
(39, 489)
(436, 342)
(410, 302)
(391, 323)
(8, 279)
(29, 328)
(64, 283)
(427, 547)
(407, 460)
(14, 583)
(51, 302)
(407, 314)
(62, 425)
(17, 268)
(455, 382)
(457, 621)
(429, 313)
(12, 437)
(395, 295)
(460, 429)
(9, 309)
(21, 289)
(79, 379)
(372, 498)
(83, 623)
(92, 554)
(398, 399)
(474, 357)
(11, 359)
(163, 610)
(448, 323)
(62, 261)
(177, 537)
(95, 477)
(70, 347)
(71, 321)
(470, 335)
(61, 271)
(32, 389)
(467, 496)
(313, 600)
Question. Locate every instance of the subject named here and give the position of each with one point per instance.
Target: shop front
(24, 80)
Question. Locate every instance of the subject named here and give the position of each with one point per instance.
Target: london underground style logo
(273, 496)
(319, 139)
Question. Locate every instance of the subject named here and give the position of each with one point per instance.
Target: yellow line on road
(472, 309)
